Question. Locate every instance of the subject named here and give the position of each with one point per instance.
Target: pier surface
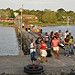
(15, 64)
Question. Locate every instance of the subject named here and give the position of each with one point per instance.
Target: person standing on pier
(66, 33)
(55, 46)
(38, 41)
(71, 41)
(51, 37)
(32, 51)
(41, 29)
(33, 29)
(42, 51)
(71, 45)
(47, 39)
(67, 46)
(38, 31)
(23, 25)
(60, 34)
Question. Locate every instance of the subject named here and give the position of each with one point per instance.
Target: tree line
(44, 16)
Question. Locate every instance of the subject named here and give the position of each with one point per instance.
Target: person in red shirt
(42, 50)
(55, 46)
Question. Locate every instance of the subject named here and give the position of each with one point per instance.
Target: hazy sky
(38, 4)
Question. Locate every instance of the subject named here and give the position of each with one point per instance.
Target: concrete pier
(14, 65)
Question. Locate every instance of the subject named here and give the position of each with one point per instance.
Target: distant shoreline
(36, 25)
(6, 25)
(47, 24)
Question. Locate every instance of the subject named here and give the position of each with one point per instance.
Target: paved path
(15, 64)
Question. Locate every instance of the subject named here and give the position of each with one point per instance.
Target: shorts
(55, 48)
(43, 53)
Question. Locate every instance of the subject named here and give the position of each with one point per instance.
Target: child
(32, 52)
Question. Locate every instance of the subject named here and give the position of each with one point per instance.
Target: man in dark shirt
(67, 46)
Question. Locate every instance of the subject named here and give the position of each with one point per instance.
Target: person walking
(38, 31)
(32, 51)
(33, 29)
(66, 33)
(67, 46)
(71, 41)
(55, 47)
(42, 50)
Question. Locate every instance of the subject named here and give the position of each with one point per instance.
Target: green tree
(39, 15)
(71, 14)
(60, 14)
(49, 17)
(8, 9)
(60, 10)
(12, 14)
(47, 10)
(18, 11)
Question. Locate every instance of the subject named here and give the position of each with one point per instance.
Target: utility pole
(21, 10)
(67, 22)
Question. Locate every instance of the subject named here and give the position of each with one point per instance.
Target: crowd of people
(49, 45)
(37, 29)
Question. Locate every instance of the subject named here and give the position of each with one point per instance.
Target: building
(6, 20)
(29, 18)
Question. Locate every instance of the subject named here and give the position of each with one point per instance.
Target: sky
(53, 5)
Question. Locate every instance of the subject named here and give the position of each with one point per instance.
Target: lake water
(57, 28)
(8, 41)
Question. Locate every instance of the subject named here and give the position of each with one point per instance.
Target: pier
(15, 64)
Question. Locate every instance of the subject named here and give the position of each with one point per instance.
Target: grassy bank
(48, 24)
(6, 23)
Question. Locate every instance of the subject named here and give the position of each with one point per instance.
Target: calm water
(57, 28)
(8, 41)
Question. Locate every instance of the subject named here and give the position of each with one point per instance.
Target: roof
(29, 15)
